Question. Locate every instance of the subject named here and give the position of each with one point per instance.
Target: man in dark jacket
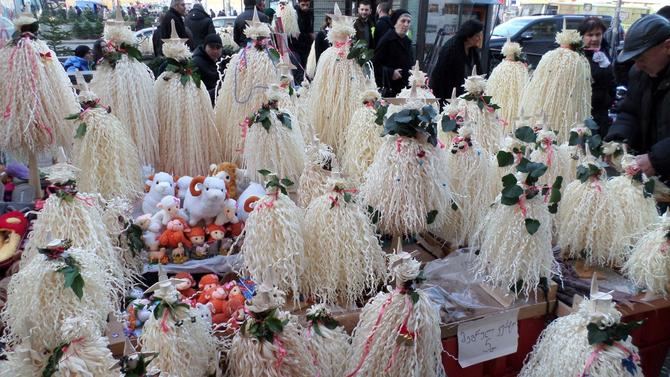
(384, 21)
(200, 23)
(364, 24)
(303, 43)
(176, 12)
(205, 58)
(643, 119)
(247, 15)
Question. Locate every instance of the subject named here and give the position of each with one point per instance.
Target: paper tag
(487, 338)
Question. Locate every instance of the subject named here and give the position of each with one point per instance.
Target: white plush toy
(168, 210)
(160, 185)
(182, 186)
(205, 200)
(247, 200)
(150, 231)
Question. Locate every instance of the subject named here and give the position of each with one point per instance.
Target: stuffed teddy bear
(149, 231)
(197, 237)
(159, 185)
(174, 235)
(227, 171)
(183, 184)
(168, 210)
(185, 287)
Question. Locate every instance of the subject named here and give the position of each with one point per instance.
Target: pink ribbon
(596, 352)
(548, 144)
(440, 144)
(402, 328)
(164, 325)
(632, 170)
(488, 107)
(340, 46)
(245, 128)
(522, 205)
(370, 339)
(596, 183)
(458, 139)
(88, 201)
(398, 143)
(281, 353)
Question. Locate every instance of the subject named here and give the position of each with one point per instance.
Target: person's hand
(645, 165)
(397, 74)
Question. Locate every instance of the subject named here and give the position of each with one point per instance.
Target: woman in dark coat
(603, 84)
(393, 56)
(457, 57)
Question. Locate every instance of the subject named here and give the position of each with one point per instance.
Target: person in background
(364, 25)
(206, 57)
(393, 56)
(270, 13)
(176, 12)
(643, 117)
(199, 23)
(303, 43)
(603, 86)
(80, 61)
(211, 13)
(247, 15)
(383, 21)
(321, 43)
(221, 13)
(15, 174)
(156, 37)
(664, 12)
(139, 23)
(457, 58)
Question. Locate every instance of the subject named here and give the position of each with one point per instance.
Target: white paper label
(487, 338)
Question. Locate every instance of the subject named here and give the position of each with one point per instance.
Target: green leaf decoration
(525, 134)
(52, 363)
(553, 208)
(81, 131)
(648, 188)
(586, 172)
(266, 123)
(448, 124)
(510, 195)
(575, 139)
(264, 172)
(555, 195)
(317, 330)
(414, 295)
(595, 143)
(196, 79)
(287, 182)
(135, 242)
(360, 53)
(72, 274)
(504, 158)
(480, 104)
(72, 116)
(380, 114)
(286, 120)
(274, 55)
(609, 335)
(184, 79)
(409, 123)
(509, 180)
(430, 218)
(132, 51)
(532, 225)
(454, 206)
(591, 125)
(347, 197)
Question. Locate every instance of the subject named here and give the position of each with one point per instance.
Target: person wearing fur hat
(393, 56)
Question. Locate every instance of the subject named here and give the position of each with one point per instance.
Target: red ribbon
(440, 144)
(402, 331)
(341, 47)
(548, 144)
(522, 205)
(164, 325)
(371, 337)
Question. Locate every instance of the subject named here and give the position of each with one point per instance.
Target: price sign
(487, 338)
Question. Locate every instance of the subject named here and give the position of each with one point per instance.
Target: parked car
(144, 42)
(221, 22)
(535, 34)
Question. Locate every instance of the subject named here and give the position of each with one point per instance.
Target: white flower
(267, 297)
(611, 147)
(511, 50)
(568, 37)
(404, 267)
(510, 143)
(370, 95)
(318, 310)
(119, 34)
(546, 135)
(176, 49)
(475, 84)
(585, 131)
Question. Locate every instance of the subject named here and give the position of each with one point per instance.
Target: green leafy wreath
(411, 122)
(71, 271)
(187, 71)
(264, 326)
